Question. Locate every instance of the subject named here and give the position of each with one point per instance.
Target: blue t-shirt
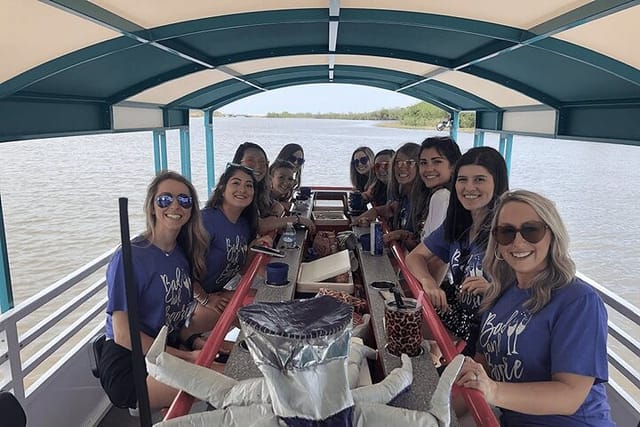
(568, 335)
(464, 260)
(227, 248)
(163, 283)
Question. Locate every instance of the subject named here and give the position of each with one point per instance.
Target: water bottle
(289, 237)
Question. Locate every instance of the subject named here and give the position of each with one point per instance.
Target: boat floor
(118, 417)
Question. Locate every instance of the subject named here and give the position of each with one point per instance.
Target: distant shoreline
(396, 124)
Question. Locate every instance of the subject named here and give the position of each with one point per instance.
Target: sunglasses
(247, 169)
(164, 200)
(404, 163)
(298, 160)
(532, 232)
(382, 165)
(362, 160)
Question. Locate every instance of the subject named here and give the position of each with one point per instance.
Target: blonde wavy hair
(193, 237)
(560, 269)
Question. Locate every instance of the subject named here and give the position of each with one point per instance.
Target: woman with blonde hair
(542, 351)
(167, 260)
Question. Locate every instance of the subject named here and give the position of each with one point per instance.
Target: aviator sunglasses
(532, 232)
(405, 163)
(164, 200)
(298, 160)
(362, 160)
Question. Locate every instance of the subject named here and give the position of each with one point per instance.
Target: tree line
(421, 114)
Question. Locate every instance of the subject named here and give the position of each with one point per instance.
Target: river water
(59, 195)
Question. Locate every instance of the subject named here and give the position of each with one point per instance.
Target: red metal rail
(183, 401)
(480, 410)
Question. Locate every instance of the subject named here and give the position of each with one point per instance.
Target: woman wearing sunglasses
(168, 256)
(231, 219)
(295, 154)
(377, 192)
(480, 177)
(361, 170)
(438, 157)
(542, 351)
(404, 170)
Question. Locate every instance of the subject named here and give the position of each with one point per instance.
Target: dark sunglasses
(247, 169)
(164, 200)
(298, 160)
(400, 163)
(532, 232)
(362, 160)
(382, 165)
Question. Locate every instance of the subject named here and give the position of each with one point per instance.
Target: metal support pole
(507, 152)
(478, 138)
(160, 150)
(185, 153)
(156, 151)
(209, 147)
(455, 124)
(163, 149)
(506, 142)
(6, 294)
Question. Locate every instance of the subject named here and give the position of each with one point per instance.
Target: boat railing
(16, 343)
(628, 313)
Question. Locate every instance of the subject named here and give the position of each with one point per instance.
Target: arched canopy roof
(559, 68)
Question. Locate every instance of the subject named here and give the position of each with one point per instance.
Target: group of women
(495, 265)
(187, 261)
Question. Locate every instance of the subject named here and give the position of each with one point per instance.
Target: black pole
(137, 358)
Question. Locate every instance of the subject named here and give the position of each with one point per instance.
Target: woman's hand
(437, 297)
(476, 285)
(364, 219)
(307, 223)
(472, 375)
(400, 235)
(191, 356)
(218, 301)
(265, 240)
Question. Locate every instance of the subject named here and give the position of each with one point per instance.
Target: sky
(319, 98)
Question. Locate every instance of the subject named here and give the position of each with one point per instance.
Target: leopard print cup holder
(403, 328)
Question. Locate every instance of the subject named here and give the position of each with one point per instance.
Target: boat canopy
(562, 69)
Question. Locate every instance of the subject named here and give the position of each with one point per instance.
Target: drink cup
(356, 204)
(277, 273)
(403, 327)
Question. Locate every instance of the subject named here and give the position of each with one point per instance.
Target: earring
(497, 255)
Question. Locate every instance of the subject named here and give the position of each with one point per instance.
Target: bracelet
(201, 300)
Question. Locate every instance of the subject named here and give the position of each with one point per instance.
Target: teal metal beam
(160, 150)
(110, 20)
(185, 153)
(209, 151)
(455, 125)
(505, 145)
(6, 294)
